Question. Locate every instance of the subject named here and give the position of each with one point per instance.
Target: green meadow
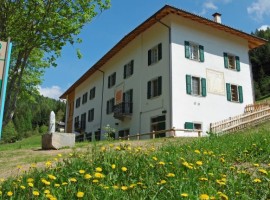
(231, 166)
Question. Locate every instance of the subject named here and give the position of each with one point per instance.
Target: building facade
(175, 70)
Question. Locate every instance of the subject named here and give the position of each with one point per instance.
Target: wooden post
(128, 137)
(199, 133)
(154, 136)
(138, 136)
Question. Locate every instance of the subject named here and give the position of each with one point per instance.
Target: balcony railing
(122, 110)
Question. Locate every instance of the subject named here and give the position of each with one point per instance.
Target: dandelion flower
(30, 180)
(59, 155)
(73, 179)
(81, 171)
(56, 185)
(87, 176)
(115, 187)
(154, 158)
(95, 181)
(170, 175)
(197, 151)
(256, 180)
(184, 195)
(35, 193)
(30, 184)
(204, 197)
(52, 177)
(80, 194)
(163, 182)
(263, 171)
(10, 193)
(161, 163)
(256, 165)
(124, 188)
(124, 169)
(203, 179)
(47, 192)
(99, 175)
(99, 169)
(113, 166)
(22, 187)
(199, 163)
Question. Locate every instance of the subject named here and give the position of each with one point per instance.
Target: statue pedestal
(57, 140)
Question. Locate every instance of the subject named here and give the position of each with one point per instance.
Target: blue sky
(105, 30)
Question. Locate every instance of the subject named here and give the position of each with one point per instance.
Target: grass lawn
(232, 166)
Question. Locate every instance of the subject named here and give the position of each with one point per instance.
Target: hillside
(232, 166)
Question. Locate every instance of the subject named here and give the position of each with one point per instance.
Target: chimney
(217, 17)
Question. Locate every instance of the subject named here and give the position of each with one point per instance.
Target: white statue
(52, 123)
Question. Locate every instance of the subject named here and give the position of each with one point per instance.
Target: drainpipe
(102, 94)
(170, 72)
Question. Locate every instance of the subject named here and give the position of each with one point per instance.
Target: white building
(176, 69)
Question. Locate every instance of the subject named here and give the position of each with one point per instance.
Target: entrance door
(158, 124)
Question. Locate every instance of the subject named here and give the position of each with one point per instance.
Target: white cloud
(264, 27)
(210, 5)
(53, 92)
(257, 10)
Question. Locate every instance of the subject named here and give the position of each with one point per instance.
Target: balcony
(122, 110)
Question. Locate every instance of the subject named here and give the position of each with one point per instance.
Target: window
(83, 121)
(194, 51)
(193, 125)
(158, 124)
(128, 69)
(196, 86)
(111, 80)
(92, 93)
(128, 101)
(155, 54)
(231, 62)
(84, 98)
(78, 102)
(91, 115)
(234, 93)
(154, 87)
(123, 134)
(110, 105)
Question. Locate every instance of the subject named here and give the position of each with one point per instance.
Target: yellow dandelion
(22, 187)
(197, 151)
(56, 185)
(237, 193)
(9, 193)
(118, 148)
(0, 193)
(30, 180)
(113, 166)
(80, 194)
(203, 179)
(222, 160)
(124, 169)
(99, 175)
(103, 148)
(132, 185)
(81, 171)
(73, 180)
(124, 188)
(33, 165)
(256, 180)
(256, 165)
(47, 192)
(35, 193)
(95, 181)
(48, 164)
(263, 171)
(161, 163)
(59, 155)
(87, 176)
(115, 187)
(170, 175)
(98, 169)
(163, 182)
(154, 158)
(204, 197)
(223, 196)
(52, 177)
(199, 163)
(184, 195)
(30, 184)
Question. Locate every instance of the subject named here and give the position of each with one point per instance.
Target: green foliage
(9, 133)
(260, 60)
(43, 129)
(232, 166)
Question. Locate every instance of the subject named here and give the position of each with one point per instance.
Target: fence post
(138, 136)
(128, 137)
(154, 136)
(199, 133)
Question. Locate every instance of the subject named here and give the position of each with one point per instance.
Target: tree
(38, 28)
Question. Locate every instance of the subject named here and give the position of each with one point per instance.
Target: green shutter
(228, 88)
(149, 90)
(226, 60)
(237, 61)
(125, 71)
(188, 84)
(203, 81)
(201, 49)
(189, 125)
(149, 57)
(240, 92)
(0, 87)
(159, 85)
(187, 54)
(132, 66)
(107, 109)
(131, 101)
(159, 51)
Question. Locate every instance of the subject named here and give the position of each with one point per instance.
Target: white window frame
(92, 93)
(128, 71)
(194, 51)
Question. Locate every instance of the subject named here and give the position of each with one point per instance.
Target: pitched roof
(253, 41)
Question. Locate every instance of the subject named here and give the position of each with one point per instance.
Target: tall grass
(234, 166)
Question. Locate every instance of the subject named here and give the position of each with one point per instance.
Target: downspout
(170, 72)
(102, 94)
